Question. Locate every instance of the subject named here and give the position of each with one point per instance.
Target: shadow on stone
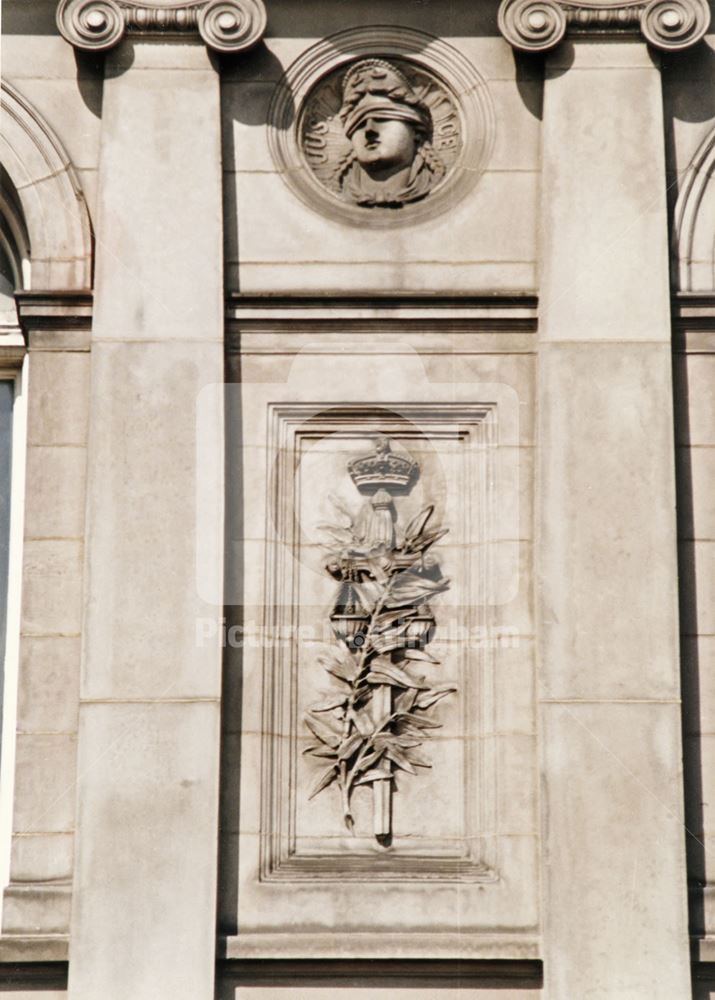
(232, 684)
(90, 74)
(383, 974)
(689, 661)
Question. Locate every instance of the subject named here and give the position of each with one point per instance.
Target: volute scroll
(540, 25)
(224, 25)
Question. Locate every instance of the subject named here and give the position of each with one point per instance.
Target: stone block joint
(224, 25)
(540, 25)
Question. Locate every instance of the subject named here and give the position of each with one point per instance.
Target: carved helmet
(374, 88)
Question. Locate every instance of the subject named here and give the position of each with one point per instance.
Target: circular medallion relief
(381, 126)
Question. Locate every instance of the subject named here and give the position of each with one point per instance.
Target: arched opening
(47, 221)
(45, 246)
(14, 250)
(695, 222)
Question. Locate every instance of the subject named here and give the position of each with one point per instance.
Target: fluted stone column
(144, 901)
(614, 878)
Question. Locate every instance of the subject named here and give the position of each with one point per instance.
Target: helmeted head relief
(376, 89)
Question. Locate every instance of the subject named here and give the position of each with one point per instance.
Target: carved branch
(539, 25)
(224, 25)
(383, 618)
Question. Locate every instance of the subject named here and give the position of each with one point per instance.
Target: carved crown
(382, 469)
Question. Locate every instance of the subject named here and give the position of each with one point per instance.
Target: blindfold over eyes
(383, 109)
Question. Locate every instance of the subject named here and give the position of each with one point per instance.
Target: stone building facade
(357, 534)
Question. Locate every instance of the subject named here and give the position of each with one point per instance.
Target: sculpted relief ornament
(224, 25)
(394, 132)
(371, 723)
(377, 148)
(540, 25)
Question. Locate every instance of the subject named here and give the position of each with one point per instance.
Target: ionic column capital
(224, 25)
(539, 25)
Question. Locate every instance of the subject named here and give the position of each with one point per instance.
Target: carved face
(384, 145)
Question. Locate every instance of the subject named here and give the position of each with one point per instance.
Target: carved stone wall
(292, 151)
(436, 92)
(452, 822)
(450, 723)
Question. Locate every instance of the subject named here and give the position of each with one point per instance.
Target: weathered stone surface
(48, 697)
(58, 417)
(56, 484)
(39, 910)
(45, 765)
(42, 857)
(606, 569)
(148, 736)
(52, 587)
(625, 223)
(621, 390)
(448, 254)
(144, 557)
(694, 375)
(624, 757)
(148, 747)
(580, 807)
(412, 387)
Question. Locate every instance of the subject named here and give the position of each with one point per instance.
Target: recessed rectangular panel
(437, 799)
(379, 552)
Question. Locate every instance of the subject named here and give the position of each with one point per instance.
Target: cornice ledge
(55, 320)
(539, 25)
(224, 25)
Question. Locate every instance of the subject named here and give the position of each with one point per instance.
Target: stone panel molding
(304, 839)
(539, 25)
(426, 83)
(53, 204)
(224, 25)
(694, 230)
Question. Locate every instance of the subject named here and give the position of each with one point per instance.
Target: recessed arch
(14, 251)
(54, 212)
(695, 222)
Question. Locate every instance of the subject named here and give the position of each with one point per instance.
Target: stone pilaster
(614, 898)
(36, 904)
(144, 905)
